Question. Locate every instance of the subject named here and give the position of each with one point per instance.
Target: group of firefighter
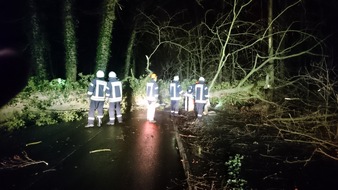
(100, 90)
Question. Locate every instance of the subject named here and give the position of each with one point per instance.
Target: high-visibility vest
(201, 93)
(114, 90)
(152, 91)
(97, 89)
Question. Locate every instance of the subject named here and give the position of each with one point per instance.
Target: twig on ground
(100, 150)
(19, 162)
(189, 136)
(33, 143)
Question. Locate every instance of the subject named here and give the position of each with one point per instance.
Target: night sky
(14, 21)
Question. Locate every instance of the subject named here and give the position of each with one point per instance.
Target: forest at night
(270, 64)
(312, 15)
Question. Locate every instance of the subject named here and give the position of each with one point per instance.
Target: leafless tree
(248, 54)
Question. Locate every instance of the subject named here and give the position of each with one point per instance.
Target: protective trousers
(174, 107)
(151, 110)
(95, 105)
(115, 106)
(200, 109)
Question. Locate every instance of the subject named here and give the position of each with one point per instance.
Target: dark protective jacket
(114, 90)
(97, 89)
(175, 90)
(191, 89)
(201, 92)
(152, 90)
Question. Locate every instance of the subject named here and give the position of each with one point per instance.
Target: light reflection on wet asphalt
(133, 155)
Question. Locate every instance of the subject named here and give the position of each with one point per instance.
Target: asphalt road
(133, 155)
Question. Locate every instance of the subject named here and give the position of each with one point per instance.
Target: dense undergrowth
(49, 102)
(58, 100)
(46, 102)
(236, 149)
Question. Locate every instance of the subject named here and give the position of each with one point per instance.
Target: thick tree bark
(38, 41)
(69, 42)
(129, 56)
(105, 37)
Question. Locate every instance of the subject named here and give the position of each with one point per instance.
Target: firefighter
(96, 93)
(201, 96)
(175, 92)
(114, 95)
(152, 96)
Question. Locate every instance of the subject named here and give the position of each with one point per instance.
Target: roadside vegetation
(269, 76)
(46, 103)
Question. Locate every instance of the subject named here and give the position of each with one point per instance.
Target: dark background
(14, 21)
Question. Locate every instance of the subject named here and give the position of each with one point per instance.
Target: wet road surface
(133, 155)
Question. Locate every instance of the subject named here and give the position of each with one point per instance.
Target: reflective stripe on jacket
(175, 90)
(97, 89)
(114, 90)
(201, 93)
(152, 90)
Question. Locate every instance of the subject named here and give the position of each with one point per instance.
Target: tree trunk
(105, 37)
(70, 42)
(38, 41)
(129, 55)
(270, 70)
(201, 55)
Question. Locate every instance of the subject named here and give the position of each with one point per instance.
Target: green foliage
(124, 104)
(39, 48)
(57, 84)
(40, 118)
(30, 118)
(239, 98)
(39, 95)
(234, 167)
(70, 42)
(138, 85)
(15, 123)
(105, 36)
(221, 99)
(44, 118)
(68, 116)
(60, 85)
(222, 86)
(82, 82)
(80, 86)
(164, 91)
(36, 85)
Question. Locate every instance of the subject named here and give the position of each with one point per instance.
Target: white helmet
(99, 74)
(112, 74)
(201, 79)
(176, 78)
